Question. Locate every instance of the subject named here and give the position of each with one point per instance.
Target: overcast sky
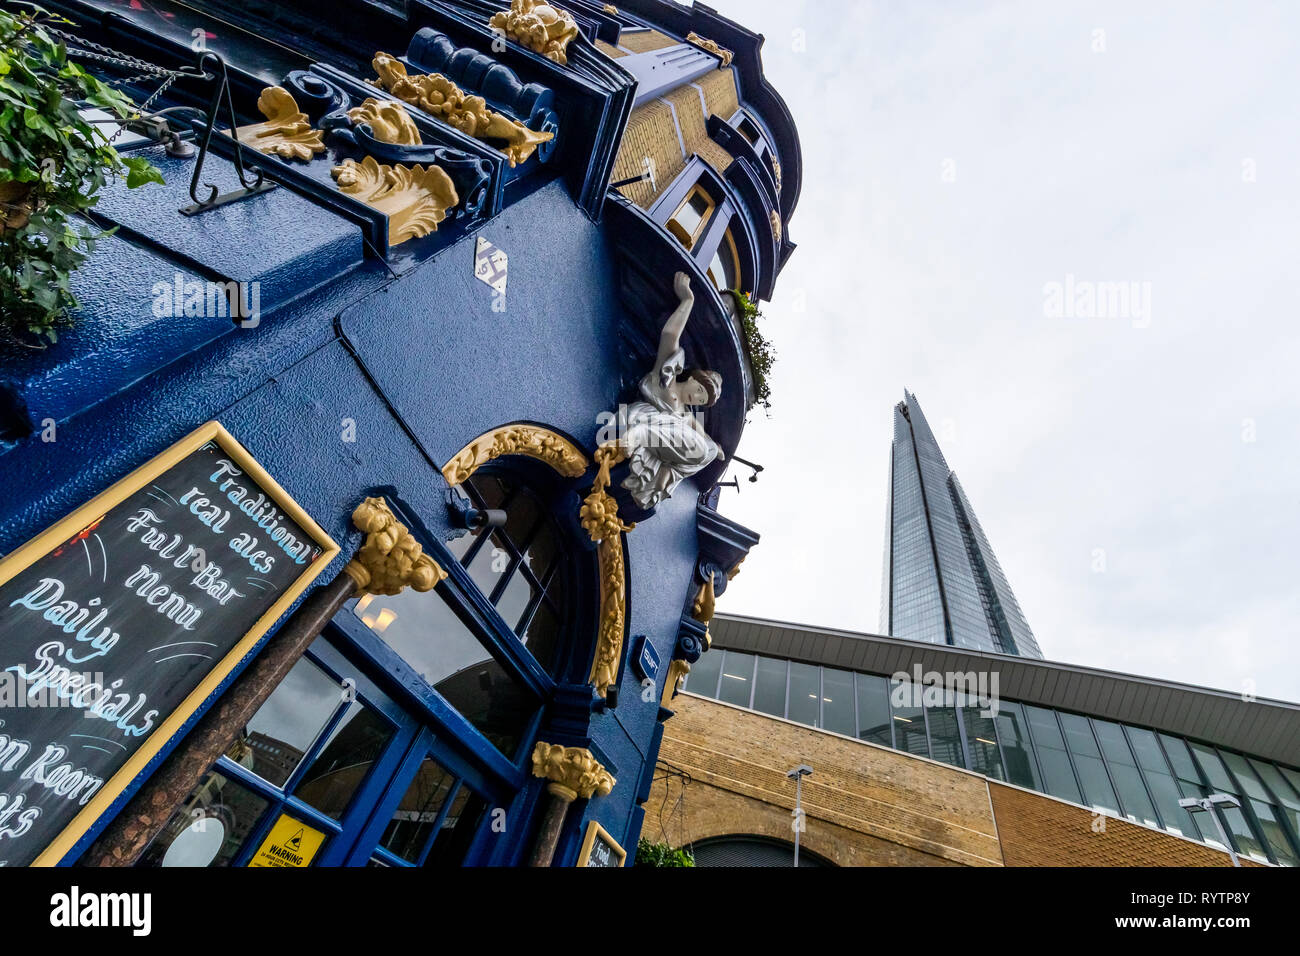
(960, 157)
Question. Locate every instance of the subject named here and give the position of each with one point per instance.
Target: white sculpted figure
(664, 441)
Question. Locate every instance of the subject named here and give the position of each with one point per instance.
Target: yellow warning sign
(289, 843)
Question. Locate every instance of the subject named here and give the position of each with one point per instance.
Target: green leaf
(140, 171)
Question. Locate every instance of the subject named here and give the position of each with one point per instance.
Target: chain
(96, 53)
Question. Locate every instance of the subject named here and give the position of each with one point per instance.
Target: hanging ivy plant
(53, 162)
(662, 855)
(759, 350)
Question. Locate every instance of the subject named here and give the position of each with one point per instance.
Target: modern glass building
(942, 582)
(1125, 746)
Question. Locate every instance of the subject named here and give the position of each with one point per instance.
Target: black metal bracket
(215, 68)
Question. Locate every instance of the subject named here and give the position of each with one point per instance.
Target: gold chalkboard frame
(595, 830)
(59, 532)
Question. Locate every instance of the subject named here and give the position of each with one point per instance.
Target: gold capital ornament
(573, 772)
(389, 559)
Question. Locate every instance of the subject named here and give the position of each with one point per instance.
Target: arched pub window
(409, 721)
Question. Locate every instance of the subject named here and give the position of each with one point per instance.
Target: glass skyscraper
(942, 582)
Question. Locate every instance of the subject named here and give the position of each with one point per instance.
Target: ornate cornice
(438, 96)
(573, 772)
(414, 198)
(532, 441)
(599, 517)
(389, 559)
(710, 46)
(542, 27)
(287, 132)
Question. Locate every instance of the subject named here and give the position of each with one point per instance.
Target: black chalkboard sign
(116, 623)
(600, 849)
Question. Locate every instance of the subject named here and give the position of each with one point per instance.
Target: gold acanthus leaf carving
(776, 225)
(440, 97)
(542, 27)
(706, 44)
(414, 198)
(287, 132)
(388, 121)
(572, 771)
(529, 440)
(599, 518)
(389, 559)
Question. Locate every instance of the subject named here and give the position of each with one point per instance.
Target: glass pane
(874, 722)
(459, 547)
(1213, 769)
(769, 686)
(837, 701)
(1017, 752)
(1163, 787)
(343, 763)
(1246, 778)
(909, 718)
(458, 829)
(428, 635)
(1266, 814)
(1049, 746)
(542, 550)
(542, 635)
(490, 489)
(413, 820)
(805, 690)
(1097, 791)
(273, 742)
(737, 678)
(1248, 842)
(1189, 784)
(703, 678)
(515, 600)
(521, 517)
(982, 741)
(209, 828)
(1272, 776)
(1124, 773)
(490, 564)
(1292, 776)
(945, 738)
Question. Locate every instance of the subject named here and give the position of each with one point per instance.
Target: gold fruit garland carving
(440, 97)
(529, 440)
(414, 198)
(389, 559)
(542, 27)
(599, 518)
(287, 132)
(573, 772)
(708, 45)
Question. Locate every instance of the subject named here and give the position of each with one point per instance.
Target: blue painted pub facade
(457, 360)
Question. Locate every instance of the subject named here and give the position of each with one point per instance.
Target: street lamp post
(1207, 804)
(797, 775)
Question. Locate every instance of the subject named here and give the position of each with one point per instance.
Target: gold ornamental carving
(610, 9)
(599, 518)
(287, 132)
(529, 440)
(677, 671)
(388, 121)
(440, 97)
(573, 772)
(776, 172)
(389, 559)
(776, 225)
(711, 47)
(541, 27)
(414, 198)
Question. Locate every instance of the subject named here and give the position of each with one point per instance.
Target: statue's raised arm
(665, 443)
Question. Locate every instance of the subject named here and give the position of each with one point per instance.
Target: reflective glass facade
(1127, 771)
(942, 582)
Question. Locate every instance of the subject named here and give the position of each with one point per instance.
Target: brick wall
(873, 806)
(1038, 831)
